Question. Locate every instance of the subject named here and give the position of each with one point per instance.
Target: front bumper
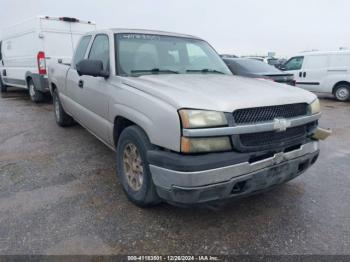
(244, 177)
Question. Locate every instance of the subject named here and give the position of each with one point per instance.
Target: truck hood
(217, 92)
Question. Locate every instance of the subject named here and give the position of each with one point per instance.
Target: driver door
(91, 93)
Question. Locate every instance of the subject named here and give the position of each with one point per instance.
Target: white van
(26, 50)
(322, 72)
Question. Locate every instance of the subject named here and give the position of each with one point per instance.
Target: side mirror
(91, 68)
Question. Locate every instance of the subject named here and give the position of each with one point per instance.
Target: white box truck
(27, 48)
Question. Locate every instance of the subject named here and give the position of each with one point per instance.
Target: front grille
(268, 113)
(272, 138)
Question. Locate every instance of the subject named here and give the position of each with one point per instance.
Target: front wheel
(3, 87)
(342, 93)
(133, 168)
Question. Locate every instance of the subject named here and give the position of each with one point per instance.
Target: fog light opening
(303, 166)
(238, 187)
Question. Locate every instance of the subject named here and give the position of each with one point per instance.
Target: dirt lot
(59, 195)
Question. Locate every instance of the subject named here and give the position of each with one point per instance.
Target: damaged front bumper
(181, 179)
(321, 133)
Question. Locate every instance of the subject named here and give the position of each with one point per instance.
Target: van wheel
(61, 117)
(3, 87)
(342, 92)
(133, 168)
(35, 95)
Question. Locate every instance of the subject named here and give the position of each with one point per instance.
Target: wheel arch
(343, 82)
(28, 77)
(53, 87)
(120, 124)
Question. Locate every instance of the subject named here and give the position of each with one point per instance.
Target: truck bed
(57, 73)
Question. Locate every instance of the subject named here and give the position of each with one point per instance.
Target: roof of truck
(146, 31)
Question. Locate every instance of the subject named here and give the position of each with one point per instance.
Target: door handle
(300, 74)
(81, 83)
(304, 75)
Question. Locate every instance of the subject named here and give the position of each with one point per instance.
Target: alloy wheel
(133, 167)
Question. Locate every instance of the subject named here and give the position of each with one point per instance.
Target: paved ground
(59, 195)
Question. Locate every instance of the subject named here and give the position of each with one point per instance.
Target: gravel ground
(59, 195)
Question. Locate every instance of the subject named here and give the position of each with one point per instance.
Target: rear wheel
(133, 168)
(61, 117)
(3, 87)
(35, 95)
(342, 92)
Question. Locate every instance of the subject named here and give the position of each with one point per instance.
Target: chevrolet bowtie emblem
(281, 124)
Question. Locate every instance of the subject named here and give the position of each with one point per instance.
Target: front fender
(161, 123)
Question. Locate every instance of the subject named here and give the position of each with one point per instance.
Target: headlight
(315, 107)
(201, 145)
(201, 118)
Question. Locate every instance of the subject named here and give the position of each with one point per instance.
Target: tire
(35, 95)
(61, 117)
(143, 193)
(342, 92)
(3, 87)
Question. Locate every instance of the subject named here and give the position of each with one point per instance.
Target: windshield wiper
(205, 70)
(154, 70)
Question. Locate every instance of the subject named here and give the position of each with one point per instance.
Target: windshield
(140, 54)
(256, 67)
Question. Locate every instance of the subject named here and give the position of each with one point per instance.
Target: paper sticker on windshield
(140, 36)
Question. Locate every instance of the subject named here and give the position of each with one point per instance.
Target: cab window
(294, 63)
(100, 50)
(81, 49)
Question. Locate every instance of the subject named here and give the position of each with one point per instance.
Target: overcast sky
(232, 26)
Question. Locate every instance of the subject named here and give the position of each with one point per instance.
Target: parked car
(184, 128)
(27, 49)
(280, 63)
(257, 69)
(228, 56)
(322, 72)
(265, 59)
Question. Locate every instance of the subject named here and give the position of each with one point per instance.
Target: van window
(81, 49)
(100, 50)
(339, 60)
(315, 62)
(295, 63)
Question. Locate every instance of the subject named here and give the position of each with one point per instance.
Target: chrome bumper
(167, 178)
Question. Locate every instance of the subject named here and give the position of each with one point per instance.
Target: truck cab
(185, 130)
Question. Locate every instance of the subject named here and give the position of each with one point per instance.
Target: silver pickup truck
(185, 130)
